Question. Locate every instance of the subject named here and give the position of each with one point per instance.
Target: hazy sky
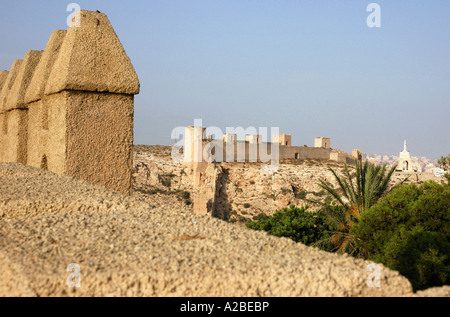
(312, 68)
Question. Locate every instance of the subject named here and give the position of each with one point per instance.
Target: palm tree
(355, 194)
(370, 184)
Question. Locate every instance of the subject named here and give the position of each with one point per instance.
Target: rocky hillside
(244, 192)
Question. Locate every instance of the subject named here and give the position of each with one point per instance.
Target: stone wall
(341, 156)
(69, 109)
(200, 152)
(304, 152)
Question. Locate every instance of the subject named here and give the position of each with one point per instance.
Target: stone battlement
(69, 109)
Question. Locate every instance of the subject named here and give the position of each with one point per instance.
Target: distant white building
(404, 160)
(438, 172)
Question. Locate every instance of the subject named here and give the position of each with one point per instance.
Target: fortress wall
(285, 152)
(3, 76)
(47, 145)
(70, 108)
(15, 140)
(106, 144)
(15, 136)
(289, 152)
(46, 119)
(8, 83)
(241, 151)
(8, 79)
(206, 174)
(36, 140)
(338, 157)
(15, 98)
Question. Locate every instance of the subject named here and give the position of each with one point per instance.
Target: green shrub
(247, 205)
(409, 231)
(295, 223)
(432, 208)
(259, 216)
(243, 219)
(408, 206)
(335, 216)
(422, 257)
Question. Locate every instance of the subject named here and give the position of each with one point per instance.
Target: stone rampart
(69, 109)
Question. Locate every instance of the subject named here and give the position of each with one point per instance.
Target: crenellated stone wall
(69, 109)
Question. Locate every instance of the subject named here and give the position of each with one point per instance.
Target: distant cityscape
(423, 164)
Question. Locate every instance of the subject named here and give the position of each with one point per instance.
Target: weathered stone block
(16, 95)
(37, 85)
(99, 138)
(8, 83)
(13, 145)
(93, 59)
(47, 143)
(3, 76)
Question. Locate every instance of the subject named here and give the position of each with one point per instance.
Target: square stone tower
(283, 139)
(322, 142)
(357, 154)
(229, 138)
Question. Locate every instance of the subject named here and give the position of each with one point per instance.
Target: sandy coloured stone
(13, 136)
(36, 87)
(3, 76)
(92, 59)
(9, 81)
(100, 150)
(76, 102)
(16, 96)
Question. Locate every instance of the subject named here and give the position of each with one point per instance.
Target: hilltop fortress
(200, 147)
(69, 109)
(204, 155)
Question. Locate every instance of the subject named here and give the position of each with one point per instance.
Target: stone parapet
(70, 108)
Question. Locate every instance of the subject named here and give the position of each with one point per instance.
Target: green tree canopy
(295, 223)
(409, 231)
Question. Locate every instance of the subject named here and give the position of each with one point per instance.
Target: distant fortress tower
(322, 142)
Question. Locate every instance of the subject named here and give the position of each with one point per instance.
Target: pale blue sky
(311, 68)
